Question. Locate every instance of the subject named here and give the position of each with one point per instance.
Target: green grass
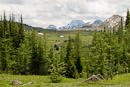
(41, 81)
(54, 36)
(118, 81)
(44, 81)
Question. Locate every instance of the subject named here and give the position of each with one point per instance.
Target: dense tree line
(109, 52)
(26, 52)
(21, 52)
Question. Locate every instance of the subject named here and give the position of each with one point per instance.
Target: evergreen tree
(13, 32)
(94, 50)
(103, 53)
(57, 70)
(33, 61)
(62, 53)
(77, 53)
(126, 50)
(38, 62)
(23, 58)
(45, 43)
(21, 31)
(120, 31)
(71, 70)
(127, 24)
(50, 57)
(41, 58)
(1, 28)
(5, 46)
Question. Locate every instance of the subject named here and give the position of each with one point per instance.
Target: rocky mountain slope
(73, 24)
(111, 22)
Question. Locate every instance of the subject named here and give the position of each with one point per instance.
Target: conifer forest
(74, 52)
(28, 53)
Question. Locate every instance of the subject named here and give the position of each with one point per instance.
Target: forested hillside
(28, 53)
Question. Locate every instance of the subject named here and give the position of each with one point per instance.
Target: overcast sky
(42, 13)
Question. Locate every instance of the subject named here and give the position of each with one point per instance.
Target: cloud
(42, 13)
(12, 1)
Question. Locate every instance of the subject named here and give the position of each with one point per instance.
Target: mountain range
(111, 22)
(74, 24)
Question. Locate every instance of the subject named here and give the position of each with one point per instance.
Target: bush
(55, 77)
(57, 70)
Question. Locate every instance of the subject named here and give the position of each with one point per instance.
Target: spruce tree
(77, 54)
(41, 58)
(71, 70)
(23, 58)
(21, 31)
(50, 57)
(6, 46)
(45, 43)
(33, 59)
(57, 70)
(38, 61)
(127, 24)
(120, 31)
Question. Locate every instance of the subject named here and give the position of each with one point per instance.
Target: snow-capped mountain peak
(73, 24)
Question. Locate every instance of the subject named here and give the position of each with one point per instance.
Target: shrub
(57, 70)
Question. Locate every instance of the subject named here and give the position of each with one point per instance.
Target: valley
(64, 43)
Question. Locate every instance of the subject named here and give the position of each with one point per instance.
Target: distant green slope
(54, 35)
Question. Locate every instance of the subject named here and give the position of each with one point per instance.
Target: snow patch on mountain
(112, 21)
(74, 24)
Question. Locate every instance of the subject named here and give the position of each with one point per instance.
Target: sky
(41, 13)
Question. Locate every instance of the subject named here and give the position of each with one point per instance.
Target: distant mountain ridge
(112, 22)
(73, 24)
(97, 22)
(53, 27)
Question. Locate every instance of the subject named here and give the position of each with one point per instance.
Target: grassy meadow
(44, 81)
(54, 36)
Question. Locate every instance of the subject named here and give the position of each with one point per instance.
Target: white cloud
(42, 13)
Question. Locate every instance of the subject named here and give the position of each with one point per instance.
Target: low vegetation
(44, 81)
